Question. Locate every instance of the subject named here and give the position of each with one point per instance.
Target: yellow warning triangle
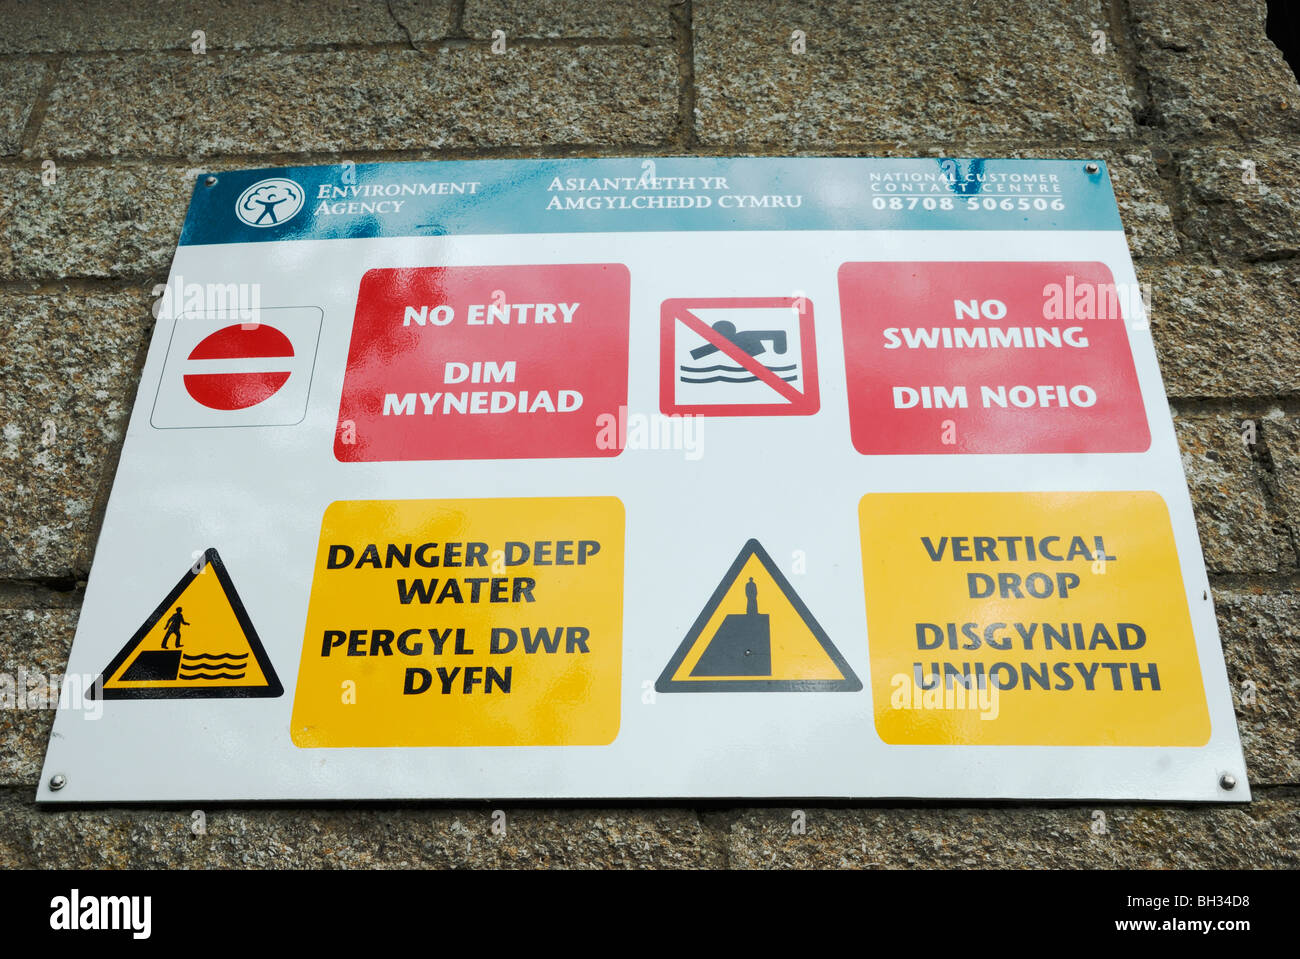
(756, 635)
(198, 644)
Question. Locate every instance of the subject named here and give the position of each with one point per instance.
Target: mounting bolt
(1228, 781)
(57, 782)
(210, 181)
(1091, 167)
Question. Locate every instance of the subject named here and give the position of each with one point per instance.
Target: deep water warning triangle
(756, 635)
(198, 644)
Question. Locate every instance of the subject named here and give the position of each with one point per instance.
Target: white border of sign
(258, 496)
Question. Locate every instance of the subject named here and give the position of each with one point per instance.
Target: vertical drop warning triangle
(198, 644)
(756, 635)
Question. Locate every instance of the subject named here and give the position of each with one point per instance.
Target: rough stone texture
(569, 18)
(1239, 533)
(893, 71)
(401, 99)
(420, 22)
(103, 221)
(1194, 64)
(1228, 218)
(36, 642)
(358, 837)
(20, 80)
(68, 381)
(1224, 332)
(1281, 436)
(1261, 645)
(1260, 835)
(1136, 178)
(65, 26)
(1138, 837)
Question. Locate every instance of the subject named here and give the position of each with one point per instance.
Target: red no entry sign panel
(489, 362)
(989, 358)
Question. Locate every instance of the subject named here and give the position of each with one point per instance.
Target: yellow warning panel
(198, 644)
(756, 635)
(467, 622)
(1029, 619)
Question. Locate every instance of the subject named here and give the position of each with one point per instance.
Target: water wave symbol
(732, 374)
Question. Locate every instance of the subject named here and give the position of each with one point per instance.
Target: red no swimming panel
(485, 362)
(946, 357)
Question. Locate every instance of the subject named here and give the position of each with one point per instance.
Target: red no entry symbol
(243, 380)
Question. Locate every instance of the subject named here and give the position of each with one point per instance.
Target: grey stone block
(1281, 435)
(1143, 206)
(34, 646)
(66, 26)
(569, 18)
(68, 386)
(1035, 837)
(1239, 534)
(332, 102)
(421, 21)
(946, 70)
(21, 82)
(1227, 217)
(1260, 632)
(96, 221)
(358, 837)
(1225, 331)
(1213, 72)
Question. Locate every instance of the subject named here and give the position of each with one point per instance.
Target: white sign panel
(702, 477)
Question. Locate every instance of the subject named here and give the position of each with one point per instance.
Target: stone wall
(1184, 102)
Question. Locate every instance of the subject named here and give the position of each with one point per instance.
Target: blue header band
(665, 194)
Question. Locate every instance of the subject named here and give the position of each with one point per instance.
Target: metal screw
(1091, 168)
(1228, 781)
(210, 181)
(58, 781)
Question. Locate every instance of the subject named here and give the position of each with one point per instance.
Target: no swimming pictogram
(738, 356)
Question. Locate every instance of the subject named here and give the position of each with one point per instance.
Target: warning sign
(491, 445)
(756, 635)
(198, 644)
(989, 358)
(496, 362)
(223, 370)
(478, 622)
(1033, 619)
(738, 356)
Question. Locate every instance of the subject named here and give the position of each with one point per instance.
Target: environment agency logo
(270, 202)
